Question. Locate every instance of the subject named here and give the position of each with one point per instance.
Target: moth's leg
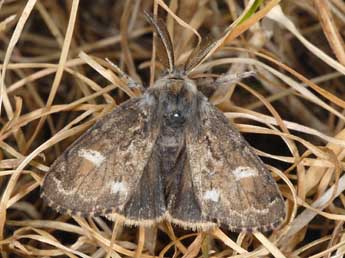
(132, 84)
(234, 77)
(208, 85)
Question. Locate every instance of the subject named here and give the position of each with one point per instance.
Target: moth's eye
(175, 119)
(176, 115)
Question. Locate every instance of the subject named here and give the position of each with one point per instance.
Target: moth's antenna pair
(166, 50)
(166, 56)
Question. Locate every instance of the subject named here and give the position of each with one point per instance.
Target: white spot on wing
(244, 172)
(212, 195)
(118, 187)
(93, 156)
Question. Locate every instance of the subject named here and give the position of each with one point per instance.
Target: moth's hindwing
(224, 182)
(112, 168)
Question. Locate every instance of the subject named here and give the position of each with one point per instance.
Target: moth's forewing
(108, 169)
(230, 184)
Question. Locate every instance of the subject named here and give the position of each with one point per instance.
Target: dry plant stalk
(55, 83)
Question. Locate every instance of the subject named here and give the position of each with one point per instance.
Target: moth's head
(177, 98)
(177, 82)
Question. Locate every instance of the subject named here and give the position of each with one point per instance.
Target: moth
(166, 155)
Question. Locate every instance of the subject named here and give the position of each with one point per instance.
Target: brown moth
(168, 154)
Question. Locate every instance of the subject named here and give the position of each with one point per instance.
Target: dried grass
(55, 83)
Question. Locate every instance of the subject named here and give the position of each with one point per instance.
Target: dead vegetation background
(55, 83)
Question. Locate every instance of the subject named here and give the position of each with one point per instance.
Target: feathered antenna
(165, 51)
